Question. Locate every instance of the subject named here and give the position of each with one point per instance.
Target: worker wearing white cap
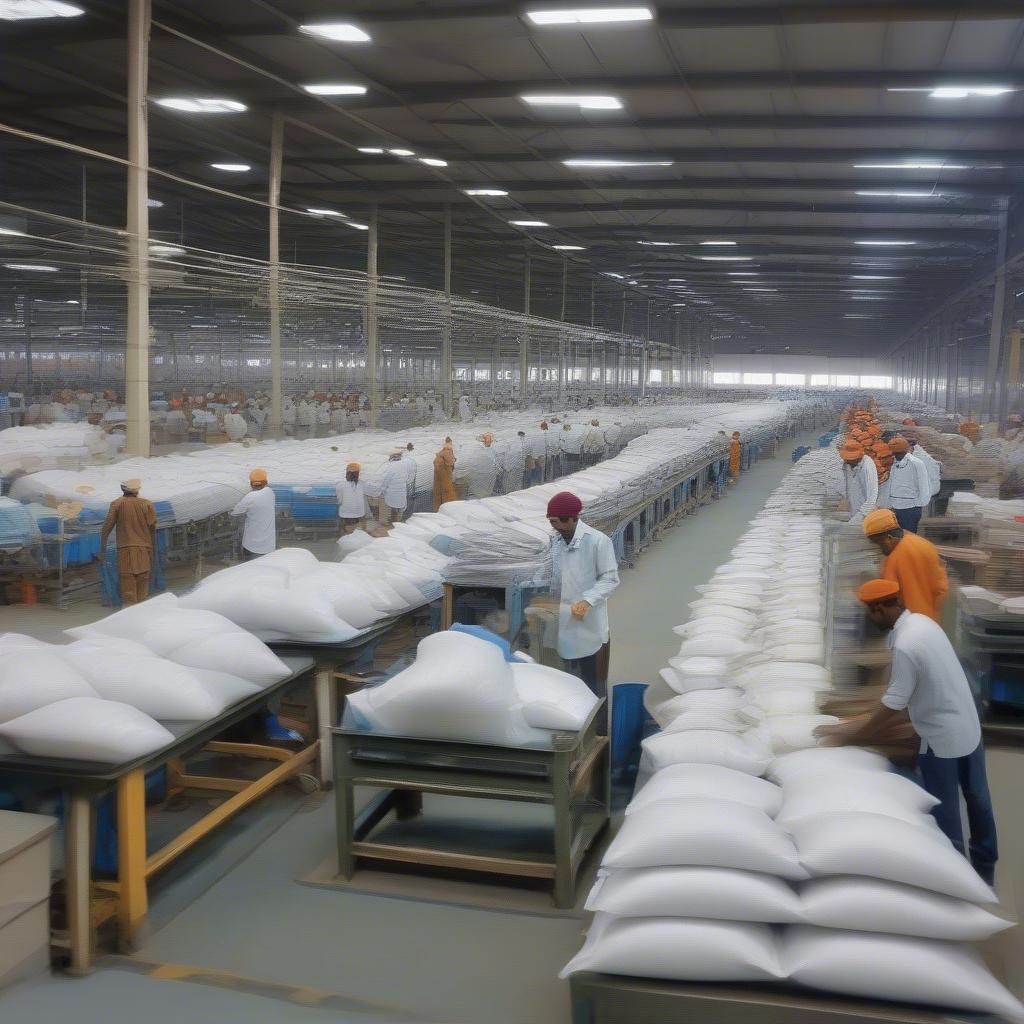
(394, 491)
(133, 520)
(259, 506)
(476, 471)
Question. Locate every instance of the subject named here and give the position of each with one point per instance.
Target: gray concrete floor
(240, 910)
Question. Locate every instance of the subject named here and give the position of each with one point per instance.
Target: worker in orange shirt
(911, 561)
(734, 455)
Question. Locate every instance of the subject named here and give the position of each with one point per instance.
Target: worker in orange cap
(860, 481)
(259, 535)
(910, 490)
(928, 682)
(910, 561)
(735, 450)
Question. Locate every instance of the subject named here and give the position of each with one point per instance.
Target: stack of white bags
(751, 853)
(103, 696)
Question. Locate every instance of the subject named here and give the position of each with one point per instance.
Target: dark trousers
(945, 778)
(593, 670)
(908, 518)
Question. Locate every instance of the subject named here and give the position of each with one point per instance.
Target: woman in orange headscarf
(444, 480)
(734, 455)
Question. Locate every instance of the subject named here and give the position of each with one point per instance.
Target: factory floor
(235, 937)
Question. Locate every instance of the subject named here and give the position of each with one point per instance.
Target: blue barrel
(628, 715)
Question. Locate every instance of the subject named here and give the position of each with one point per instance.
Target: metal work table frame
(84, 781)
(572, 776)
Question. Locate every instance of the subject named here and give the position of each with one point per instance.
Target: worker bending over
(909, 489)
(584, 574)
(133, 520)
(860, 481)
(928, 682)
(259, 534)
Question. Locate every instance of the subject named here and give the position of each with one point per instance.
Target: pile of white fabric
(103, 696)
(460, 687)
(67, 446)
(751, 853)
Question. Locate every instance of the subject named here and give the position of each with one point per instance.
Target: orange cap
(880, 520)
(882, 450)
(899, 445)
(850, 452)
(258, 476)
(878, 590)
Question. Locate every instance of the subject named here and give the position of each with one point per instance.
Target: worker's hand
(579, 609)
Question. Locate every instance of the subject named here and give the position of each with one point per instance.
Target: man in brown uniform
(134, 519)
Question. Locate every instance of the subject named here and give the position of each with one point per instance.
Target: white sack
(822, 760)
(708, 780)
(552, 699)
(31, 678)
(700, 747)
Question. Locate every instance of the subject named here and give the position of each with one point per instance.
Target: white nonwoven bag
(873, 905)
(877, 966)
(718, 626)
(786, 733)
(129, 623)
(688, 674)
(852, 843)
(708, 721)
(708, 780)
(823, 792)
(719, 894)
(552, 699)
(19, 642)
(86, 729)
(789, 700)
(239, 654)
(31, 678)
(822, 760)
(678, 950)
(348, 600)
(224, 687)
(703, 832)
(353, 542)
(700, 747)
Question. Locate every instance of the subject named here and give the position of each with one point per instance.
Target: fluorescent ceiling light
(603, 162)
(717, 243)
(868, 298)
(10, 231)
(760, 289)
(677, 305)
(234, 168)
(336, 31)
(485, 192)
(27, 10)
(355, 224)
(431, 161)
(334, 89)
(611, 273)
(371, 149)
(910, 166)
(582, 102)
(201, 105)
(875, 277)
(154, 204)
(957, 92)
(724, 259)
(743, 273)
(71, 302)
(680, 280)
(319, 211)
(529, 223)
(159, 249)
(666, 244)
(569, 248)
(590, 15)
(43, 268)
(859, 316)
(882, 241)
(900, 195)
(401, 152)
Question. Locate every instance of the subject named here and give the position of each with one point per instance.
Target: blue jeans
(908, 518)
(945, 778)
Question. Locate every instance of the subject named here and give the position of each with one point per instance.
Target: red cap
(564, 503)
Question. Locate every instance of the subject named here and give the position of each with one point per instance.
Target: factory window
(722, 377)
(757, 378)
(845, 380)
(819, 380)
(791, 379)
(876, 382)
(654, 377)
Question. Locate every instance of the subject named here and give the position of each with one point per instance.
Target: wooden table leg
(326, 719)
(77, 872)
(133, 902)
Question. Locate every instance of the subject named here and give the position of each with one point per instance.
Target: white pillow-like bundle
(783, 734)
(19, 642)
(552, 699)
(701, 831)
(129, 623)
(824, 760)
(867, 792)
(727, 698)
(459, 688)
(873, 845)
(708, 721)
(86, 729)
(224, 687)
(678, 950)
(704, 608)
(873, 905)
(349, 601)
(878, 966)
(696, 674)
(729, 598)
(354, 541)
(705, 747)
(295, 561)
(786, 674)
(32, 677)
(713, 646)
(813, 653)
(703, 780)
(718, 626)
(719, 894)
(789, 700)
(240, 654)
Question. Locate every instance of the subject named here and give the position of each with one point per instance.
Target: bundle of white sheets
(752, 853)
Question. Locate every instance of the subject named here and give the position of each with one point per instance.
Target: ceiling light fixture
(607, 162)
(233, 168)
(717, 243)
(42, 268)
(912, 166)
(154, 204)
(724, 259)
(319, 211)
(590, 16)
(875, 277)
(401, 152)
(664, 244)
(28, 10)
(373, 150)
(529, 223)
(334, 89)
(569, 248)
(743, 273)
(160, 249)
(611, 273)
(582, 102)
(10, 231)
(957, 92)
(485, 192)
(201, 105)
(432, 161)
(882, 241)
(899, 195)
(336, 32)
(355, 224)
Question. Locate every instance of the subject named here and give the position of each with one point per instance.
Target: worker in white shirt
(259, 534)
(909, 490)
(536, 445)
(465, 409)
(409, 465)
(932, 467)
(594, 447)
(234, 424)
(928, 682)
(352, 506)
(513, 463)
(571, 442)
(553, 458)
(584, 574)
(394, 490)
(860, 481)
(476, 470)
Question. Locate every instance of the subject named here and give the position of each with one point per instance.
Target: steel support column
(995, 340)
(274, 276)
(447, 389)
(372, 350)
(524, 341)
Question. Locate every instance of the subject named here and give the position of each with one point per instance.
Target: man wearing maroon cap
(584, 573)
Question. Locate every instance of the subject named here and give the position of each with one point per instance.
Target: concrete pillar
(447, 385)
(998, 312)
(372, 350)
(524, 341)
(274, 279)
